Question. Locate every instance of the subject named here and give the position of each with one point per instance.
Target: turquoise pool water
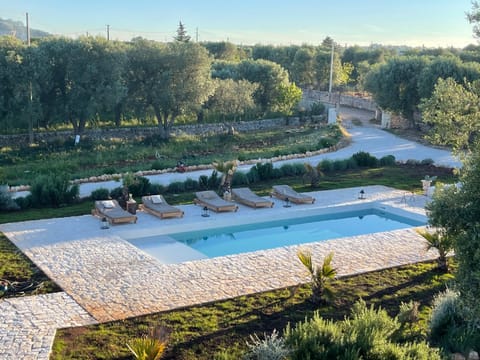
(259, 236)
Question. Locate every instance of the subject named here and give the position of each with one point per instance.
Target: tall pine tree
(182, 34)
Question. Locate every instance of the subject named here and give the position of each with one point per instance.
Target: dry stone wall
(142, 132)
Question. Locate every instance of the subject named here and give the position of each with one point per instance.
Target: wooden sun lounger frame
(252, 199)
(201, 200)
(113, 220)
(283, 192)
(169, 211)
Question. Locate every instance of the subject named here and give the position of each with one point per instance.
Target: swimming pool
(238, 239)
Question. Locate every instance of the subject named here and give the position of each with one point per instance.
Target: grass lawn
(21, 275)
(205, 331)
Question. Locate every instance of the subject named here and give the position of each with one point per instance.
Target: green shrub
(109, 170)
(340, 165)
(448, 327)
(413, 351)
(6, 201)
(427, 161)
(242, 157)
(176, 187)
(364, 159)
(139, 186)
(287, 169)
(191, 184)
(157, 188)
(368, 334)
(408, 313)
(53, 190)
(203, 182)
(252, 175)
(316, 339)
(299, 169)
(24, 202)
(326, 165)
(157, 165)
(446, 314)
(412, 162)
(369, 327)
(271, 347)
(388, 160)
(301, 149)
(351, 163)
(326, 142)
(214, 181)
(276, 173)
(239, 178)
(116, 193)
(317, 108)
(85, 143)
(100, 194)
(264, 171)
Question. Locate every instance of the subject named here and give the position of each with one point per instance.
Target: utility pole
(28, 29)
(331, 74)
(30, 89)
(108, 32)
(196, 35)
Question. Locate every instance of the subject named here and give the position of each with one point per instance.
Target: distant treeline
(58, 82)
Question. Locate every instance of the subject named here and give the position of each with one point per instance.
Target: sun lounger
(212, 201)
(248, 197)
(156, 205)
(284, 192)
(112, 211)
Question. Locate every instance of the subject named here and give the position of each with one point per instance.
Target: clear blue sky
(431, 23)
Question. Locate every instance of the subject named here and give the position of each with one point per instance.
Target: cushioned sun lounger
(212, 201)
(284, 192)
(248, 197)
(113, 212)
(156, 205)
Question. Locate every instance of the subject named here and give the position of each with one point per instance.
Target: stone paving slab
(29, 324)
(111, 279)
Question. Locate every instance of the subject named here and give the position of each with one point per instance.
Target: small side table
(132, 206)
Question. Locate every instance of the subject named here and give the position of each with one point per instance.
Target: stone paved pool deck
(105, 278)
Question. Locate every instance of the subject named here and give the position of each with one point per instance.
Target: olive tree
(457, 211)
(171, 79)
(453, 111)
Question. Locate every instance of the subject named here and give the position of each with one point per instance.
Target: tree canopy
(394, 84)
(453, 111)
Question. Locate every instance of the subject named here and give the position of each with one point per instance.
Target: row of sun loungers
(158, 206)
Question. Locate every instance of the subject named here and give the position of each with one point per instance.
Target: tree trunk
(118, 115)
(200, 117)
(161, 123)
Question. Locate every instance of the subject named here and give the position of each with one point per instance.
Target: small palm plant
(227, 168)
(149, 347)
(313, 174)
(320, 275)
(441, 242)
